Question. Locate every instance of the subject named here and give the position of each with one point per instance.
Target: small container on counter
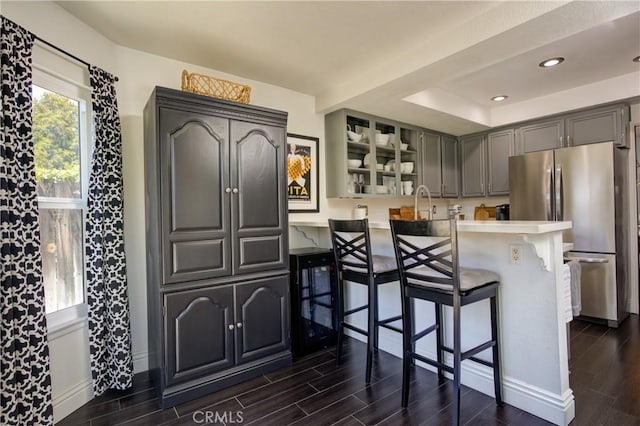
(360, 212)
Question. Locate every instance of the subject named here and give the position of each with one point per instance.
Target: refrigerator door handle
(590, 259)
(549, 185)
(559, 193)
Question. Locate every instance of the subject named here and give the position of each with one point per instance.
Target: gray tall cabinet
(217, 249)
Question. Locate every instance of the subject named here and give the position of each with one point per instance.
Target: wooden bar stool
(427, 257)
(356, 263)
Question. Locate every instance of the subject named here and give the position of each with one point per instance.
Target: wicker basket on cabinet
(215, 87)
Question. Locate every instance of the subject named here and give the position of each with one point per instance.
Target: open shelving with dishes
(371, 156)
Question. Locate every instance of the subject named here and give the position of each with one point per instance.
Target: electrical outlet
(434, 210)
(515, 254)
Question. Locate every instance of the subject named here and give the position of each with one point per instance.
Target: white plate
(367, 160)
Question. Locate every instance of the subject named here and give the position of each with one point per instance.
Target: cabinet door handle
(235, 190)
(227, 190)
(561, 141)
(230, 326)
(239, 325)
(568, 140)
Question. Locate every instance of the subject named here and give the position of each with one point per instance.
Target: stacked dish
(354, 164)
(353, 136)
(406, 167)
(382, 139)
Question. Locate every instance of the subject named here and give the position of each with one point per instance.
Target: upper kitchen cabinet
(485, 163)
(602, 124)
(500, 146)
(369, 156)
(409, 160)
(439, 164)
(431, 162)
(540, 136)
(450, 169)
(598, 125)
(473, 153)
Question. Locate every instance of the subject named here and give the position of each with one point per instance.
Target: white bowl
(381, 189)
(404, 146)
(353, 136)
(354, 164)
(379, 166)
(382, 139)
(406, 167)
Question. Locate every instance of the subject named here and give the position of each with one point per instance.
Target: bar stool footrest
(433, 363)
(354, 328)
(391, 327)
(354, 310)
(469, 354)
(424, 332)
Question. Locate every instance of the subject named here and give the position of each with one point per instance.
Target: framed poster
(302, 173)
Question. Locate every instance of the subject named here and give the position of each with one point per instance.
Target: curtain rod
(65, 52)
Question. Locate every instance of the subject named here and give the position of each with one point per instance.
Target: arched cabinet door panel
(195, 170)
(263, 314)
(200, 341)
(258, 208)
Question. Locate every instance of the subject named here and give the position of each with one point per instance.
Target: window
(61, 145)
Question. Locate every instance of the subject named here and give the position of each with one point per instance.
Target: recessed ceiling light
(636, 59)
(499, 98)
(552, 62)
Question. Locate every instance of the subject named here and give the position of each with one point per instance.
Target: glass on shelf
(360, 185)
(351, 184)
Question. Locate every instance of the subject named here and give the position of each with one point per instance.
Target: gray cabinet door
(541, 136)
(262, 318)
(473, 153)
(599, 125)
(259, 204)
(500, 146)
(194, 173)
(431, 163)
(450, 183)
(198, 340)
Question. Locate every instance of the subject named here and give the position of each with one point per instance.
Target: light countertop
(485, 226)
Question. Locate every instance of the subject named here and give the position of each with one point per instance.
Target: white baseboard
(74, 398)
(140, 362)
(555, 408)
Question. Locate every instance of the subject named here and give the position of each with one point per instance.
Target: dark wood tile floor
(605, 377)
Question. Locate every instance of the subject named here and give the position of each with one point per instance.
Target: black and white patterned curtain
(109, 331)
(25, 382)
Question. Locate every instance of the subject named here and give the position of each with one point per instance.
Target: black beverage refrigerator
(313, 294)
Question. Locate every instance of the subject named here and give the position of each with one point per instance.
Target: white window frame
(54, 75)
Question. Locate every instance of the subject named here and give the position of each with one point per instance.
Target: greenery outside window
(61, 130)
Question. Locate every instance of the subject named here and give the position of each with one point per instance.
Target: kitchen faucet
(415, 203)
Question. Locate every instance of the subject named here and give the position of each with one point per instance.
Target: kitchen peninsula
(528, 256)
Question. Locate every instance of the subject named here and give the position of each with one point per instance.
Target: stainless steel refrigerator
(587, 185)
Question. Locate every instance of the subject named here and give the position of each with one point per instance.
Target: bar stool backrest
(427, 253)
(351, 245)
